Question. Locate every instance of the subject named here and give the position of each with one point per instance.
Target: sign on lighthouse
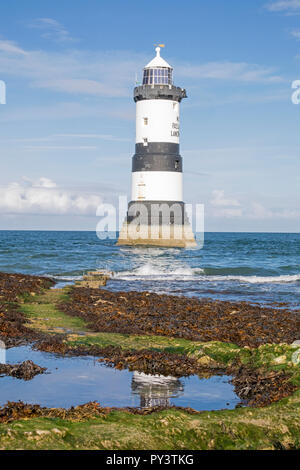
(156, 213)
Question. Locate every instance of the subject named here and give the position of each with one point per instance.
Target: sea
(260, 268)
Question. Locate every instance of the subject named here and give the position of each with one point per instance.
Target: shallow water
(259, 267)
(72, 381)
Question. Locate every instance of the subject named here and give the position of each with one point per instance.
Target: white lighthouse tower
(156, 213)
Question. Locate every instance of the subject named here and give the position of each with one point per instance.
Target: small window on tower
(145, 141)
(176, 164)
(146, 121)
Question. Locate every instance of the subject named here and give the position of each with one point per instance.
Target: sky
(67, 130)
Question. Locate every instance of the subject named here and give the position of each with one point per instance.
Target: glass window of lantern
(158, 76)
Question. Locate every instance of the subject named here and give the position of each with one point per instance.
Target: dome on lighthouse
(158, 61)
(157, 71)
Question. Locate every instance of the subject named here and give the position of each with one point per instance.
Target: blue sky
(67, 130)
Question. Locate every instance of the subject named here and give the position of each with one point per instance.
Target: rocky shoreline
(133, 312)
(154, 334)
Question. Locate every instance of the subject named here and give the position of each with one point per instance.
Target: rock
(94, 279)
(26, 370)
(280, 360)
(207, 361)
(296, 343)
(57, 431)
(41, 432)
(99, 273)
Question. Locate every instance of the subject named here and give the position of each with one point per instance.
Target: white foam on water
(148, 251)
(258, 279)
(66, 278)
(150, 271)
(154, 272)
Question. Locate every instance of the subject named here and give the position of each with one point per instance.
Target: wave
(152, 272)
(64, 278)
(149, 272)
(256, 279)
(148, 251)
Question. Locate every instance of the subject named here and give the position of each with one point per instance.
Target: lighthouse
(156, 213)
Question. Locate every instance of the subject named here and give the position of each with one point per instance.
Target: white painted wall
(156, 186)
(163, 121)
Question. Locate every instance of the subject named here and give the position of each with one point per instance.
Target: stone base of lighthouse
(154, 224)
(187, 240)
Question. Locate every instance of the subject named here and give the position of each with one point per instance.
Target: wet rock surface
(12, 288)
(93, 279)
(260, 388)
(254, 387)
(240, 323)
(145, 313)
(153, 363)
(19, 410)
(26, 370)
(145, 360)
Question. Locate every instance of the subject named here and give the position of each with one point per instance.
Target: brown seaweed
(260, 388)
(13, 287)
(132, 312)
(27, 370)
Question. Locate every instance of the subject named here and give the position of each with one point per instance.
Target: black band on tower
(156, 92)
(157, 212)
(157, 147)
(157, 163)
(157, 156)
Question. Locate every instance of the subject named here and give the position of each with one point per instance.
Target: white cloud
(296, 34)
(56, 138)
(224, 207)
(51, 29)
(258, 211)
(234, 71)
(219, 199)
(45, 197)
(109, 73)
(289, 7)
(80, 86)
(44, 183)
(96, 136)
(10, 47)
(227, 213)
(60, 147)
(68, 109)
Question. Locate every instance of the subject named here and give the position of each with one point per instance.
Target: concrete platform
(169, 236)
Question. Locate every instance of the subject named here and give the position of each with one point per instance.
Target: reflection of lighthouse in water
(155, 390)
